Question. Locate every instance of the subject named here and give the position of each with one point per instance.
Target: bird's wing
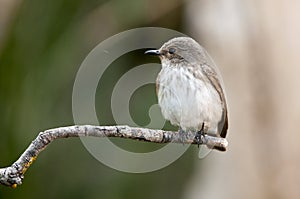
(214, 79)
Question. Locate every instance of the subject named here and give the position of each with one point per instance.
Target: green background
(44, 45)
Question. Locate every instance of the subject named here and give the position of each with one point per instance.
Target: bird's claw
(182, 134)
(199, 136)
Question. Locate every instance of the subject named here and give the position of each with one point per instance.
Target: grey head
(181, 49)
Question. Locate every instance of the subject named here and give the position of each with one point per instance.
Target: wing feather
(212, 76)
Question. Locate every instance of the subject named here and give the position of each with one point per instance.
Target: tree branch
(14, 174)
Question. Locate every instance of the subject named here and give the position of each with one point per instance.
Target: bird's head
(178, 50)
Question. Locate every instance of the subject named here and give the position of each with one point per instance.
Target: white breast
(186, 101)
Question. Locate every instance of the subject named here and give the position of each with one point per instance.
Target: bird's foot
(198, 137)
(182, 134)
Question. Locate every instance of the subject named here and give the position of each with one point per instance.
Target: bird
(190, 89)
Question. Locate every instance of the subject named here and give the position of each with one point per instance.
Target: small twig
(13, 175)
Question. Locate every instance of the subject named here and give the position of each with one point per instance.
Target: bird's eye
(172, 50)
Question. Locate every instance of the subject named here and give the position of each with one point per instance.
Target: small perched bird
(189, 89)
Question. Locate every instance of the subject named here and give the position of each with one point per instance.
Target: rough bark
(14, 174)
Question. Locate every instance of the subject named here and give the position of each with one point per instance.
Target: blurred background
(255, 44)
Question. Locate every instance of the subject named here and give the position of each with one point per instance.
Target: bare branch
(13, 175)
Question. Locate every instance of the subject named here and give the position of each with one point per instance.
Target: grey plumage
(189, 87)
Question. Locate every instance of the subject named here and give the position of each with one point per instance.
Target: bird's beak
(152, 52)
